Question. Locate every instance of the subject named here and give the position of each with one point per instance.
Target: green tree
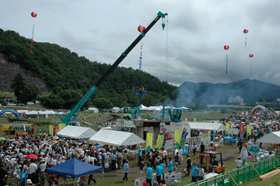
(71, 97)
(102, 103)
(18, 84)
(29, 93)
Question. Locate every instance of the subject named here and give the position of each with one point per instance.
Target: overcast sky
(189, 49)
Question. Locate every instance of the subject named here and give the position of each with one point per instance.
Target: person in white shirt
(239, 162)
(194, 147)
(32, 170)
(43, 167)
(164, 156)
(200, 173)
(181, 153)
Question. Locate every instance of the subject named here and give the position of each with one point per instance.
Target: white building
(235, 101)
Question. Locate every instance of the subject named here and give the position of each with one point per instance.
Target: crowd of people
(25, 159)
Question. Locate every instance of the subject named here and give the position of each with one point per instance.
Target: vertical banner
(51, 130)
(61, 126)
(183, 138)
(231, 130)
(249, 130)
(227, 127)
(140, 58)
(177, 138)
(149, 141)
(160, 140)
(167, 134)
(242, 130)
(164, 140)
(56, 130)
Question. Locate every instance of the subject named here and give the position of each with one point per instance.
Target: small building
(235, 101)
(5, 99)
(93, 110)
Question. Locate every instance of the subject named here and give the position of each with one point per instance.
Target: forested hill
(70, 76)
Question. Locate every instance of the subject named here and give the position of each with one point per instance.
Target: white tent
(273, 138)
(207, 126)
(116, 138)
(76, 132)
(31, 112)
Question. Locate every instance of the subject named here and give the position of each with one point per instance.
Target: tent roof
(273, 138)
(76, 132)
(116, 138)
(30, 112)
(44, 112)
(206, 126)
(74, 168)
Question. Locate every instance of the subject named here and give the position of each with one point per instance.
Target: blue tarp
(74, 168)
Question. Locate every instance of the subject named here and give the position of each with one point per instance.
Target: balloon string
(226, 64)
(166, 46)
(32, 39)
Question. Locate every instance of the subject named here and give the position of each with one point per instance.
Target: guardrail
(238, 175)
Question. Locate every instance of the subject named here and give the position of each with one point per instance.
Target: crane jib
(73, 113)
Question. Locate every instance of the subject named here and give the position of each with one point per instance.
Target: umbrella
(11, 140)
(55, 141)
(254, 150)
(55, 138)
(2, 138)
(244, 153)
(31, 156)
(24, 133)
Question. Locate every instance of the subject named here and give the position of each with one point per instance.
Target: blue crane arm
(73, 113)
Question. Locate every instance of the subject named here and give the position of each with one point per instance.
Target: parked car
(20, 104)
(30, 103)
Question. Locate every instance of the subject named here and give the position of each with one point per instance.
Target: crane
(71, 116)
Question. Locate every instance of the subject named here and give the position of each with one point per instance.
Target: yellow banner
(177, 137)
(51, 129)
(249, 130)
(61, 126)
(149, 141)
(205, 135)
(227, 127)
(17, 127)
(160, 140)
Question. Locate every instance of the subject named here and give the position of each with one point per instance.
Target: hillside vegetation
(70, 76)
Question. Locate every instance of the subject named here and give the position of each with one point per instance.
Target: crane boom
(73, 113)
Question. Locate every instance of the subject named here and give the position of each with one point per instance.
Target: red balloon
(33, 14)
(245, 31)
(141, 28)
(226, 47)
(251, 55)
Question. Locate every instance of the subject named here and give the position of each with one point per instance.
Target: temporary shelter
(116, 138)
(207, 126)
(31, 112)
(74, 168)
(76, 132)
(273, 138)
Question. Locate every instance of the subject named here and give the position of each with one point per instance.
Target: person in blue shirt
(149, 174)
(170, 165)
(194, 172)
(23, 176)
(125, 170)
(159, 172)
(162, 170)
(139, 155)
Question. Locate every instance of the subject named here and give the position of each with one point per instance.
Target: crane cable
(166, 45)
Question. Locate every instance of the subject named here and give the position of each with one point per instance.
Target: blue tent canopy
(74, 168)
